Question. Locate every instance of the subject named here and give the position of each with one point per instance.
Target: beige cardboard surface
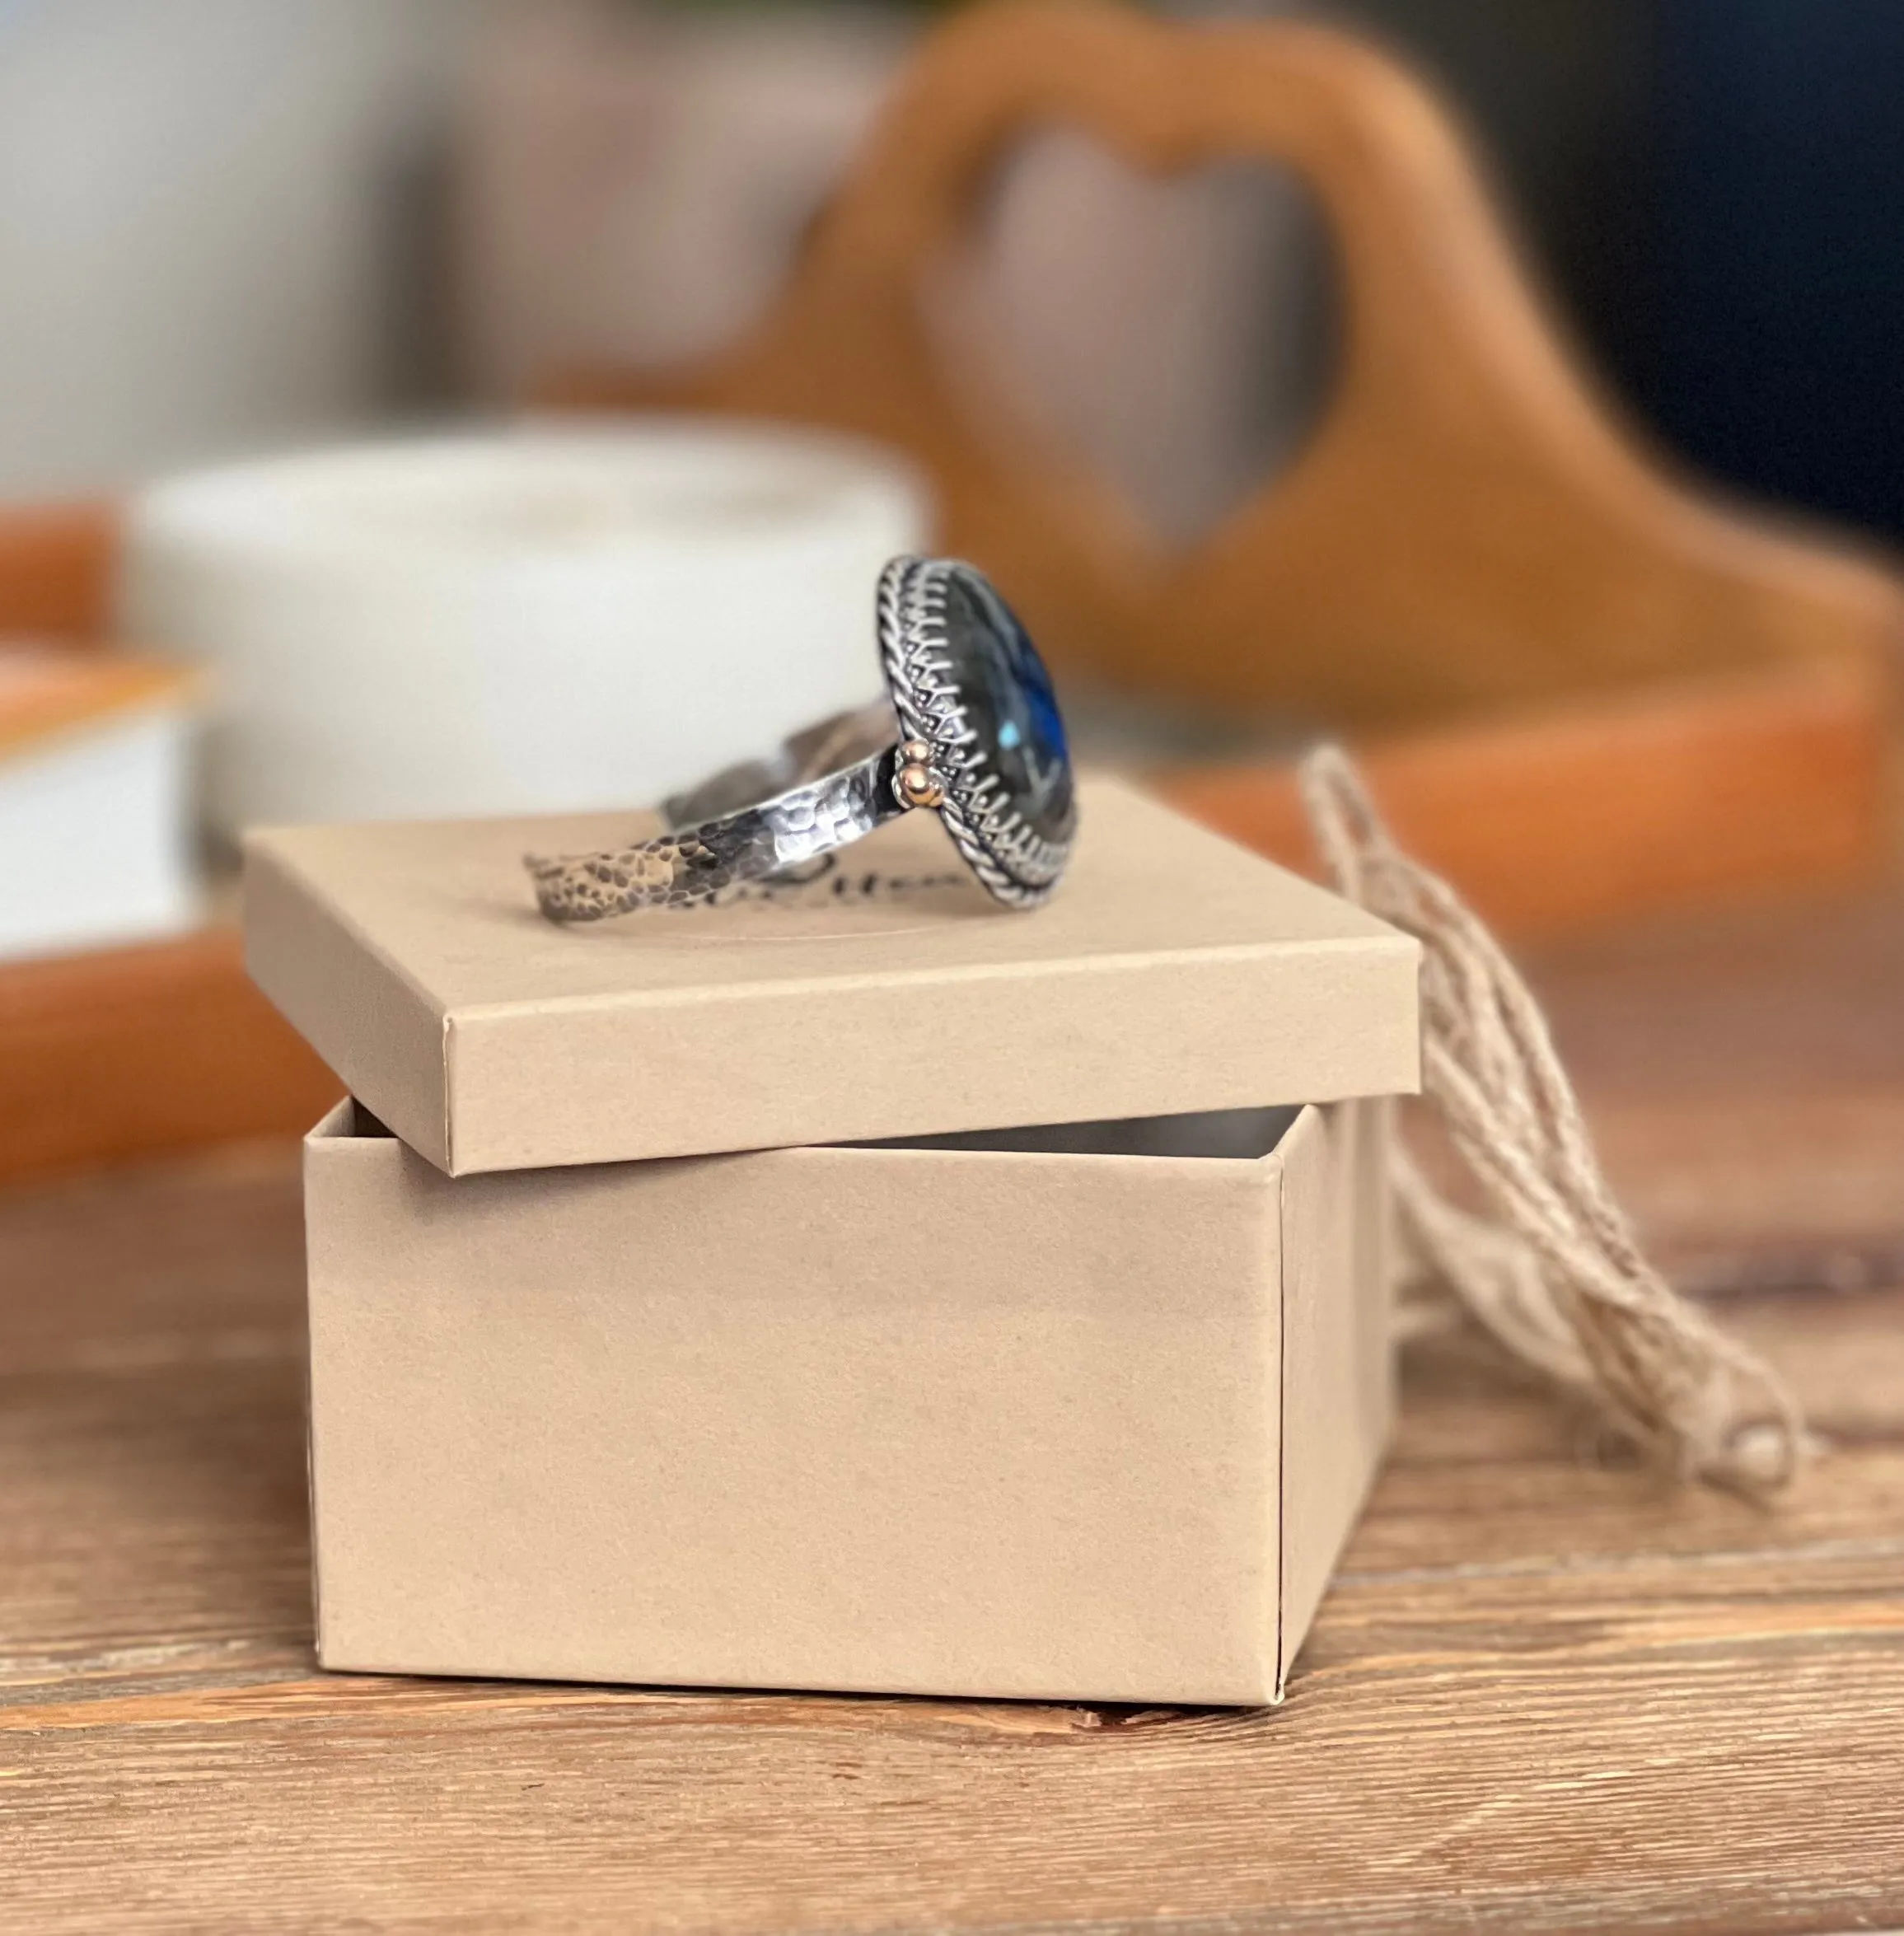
(1174, 971)
(963, 1422)
(1338, 1397)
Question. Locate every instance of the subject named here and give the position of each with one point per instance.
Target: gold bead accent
(918, 787)
(914, 752)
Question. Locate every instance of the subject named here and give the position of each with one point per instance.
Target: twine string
(1552, 1268)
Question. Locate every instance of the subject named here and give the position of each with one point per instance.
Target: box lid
(888, 996)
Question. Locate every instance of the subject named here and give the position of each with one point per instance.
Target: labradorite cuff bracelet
(978, 740)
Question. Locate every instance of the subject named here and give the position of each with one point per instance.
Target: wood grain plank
(1461, 1754)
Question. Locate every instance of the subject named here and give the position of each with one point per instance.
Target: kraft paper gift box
(851, 1286)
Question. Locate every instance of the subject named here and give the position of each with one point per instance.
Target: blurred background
(1644, 659)
(228, 223)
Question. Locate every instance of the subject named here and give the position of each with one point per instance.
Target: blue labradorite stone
(1009, 702)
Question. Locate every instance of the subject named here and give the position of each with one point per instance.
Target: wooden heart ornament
(1465, 527)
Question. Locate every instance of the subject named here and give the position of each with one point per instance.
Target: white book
(98, 811)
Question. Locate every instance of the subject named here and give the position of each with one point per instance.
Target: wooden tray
(1763, 785)
(1666, 796)
(140, 1050)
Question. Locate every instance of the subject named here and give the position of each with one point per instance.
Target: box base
(1075, 1414)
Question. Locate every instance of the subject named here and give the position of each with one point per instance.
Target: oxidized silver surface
(696, 863)
(724, 833)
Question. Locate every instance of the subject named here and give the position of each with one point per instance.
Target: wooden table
(1543, 1695)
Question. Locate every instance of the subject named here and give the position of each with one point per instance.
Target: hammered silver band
(970, 727)
(722, 833)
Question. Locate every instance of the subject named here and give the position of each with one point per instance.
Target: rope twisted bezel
(1017, 865)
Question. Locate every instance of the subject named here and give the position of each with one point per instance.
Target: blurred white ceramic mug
(537, 619)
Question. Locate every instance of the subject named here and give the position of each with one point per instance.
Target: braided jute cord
(1554, 1272)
